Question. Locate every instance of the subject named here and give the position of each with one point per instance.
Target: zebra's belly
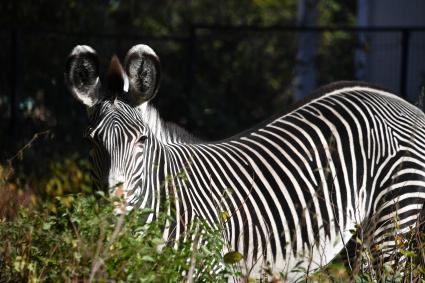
(294, 266)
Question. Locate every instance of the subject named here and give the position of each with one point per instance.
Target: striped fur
(294, 186)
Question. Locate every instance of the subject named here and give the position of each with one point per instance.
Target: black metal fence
(406, 43)
(217, 79)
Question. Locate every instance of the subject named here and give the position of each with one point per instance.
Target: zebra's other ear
(142, 66)
(82, 74)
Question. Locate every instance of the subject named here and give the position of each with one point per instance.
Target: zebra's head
(116, 129)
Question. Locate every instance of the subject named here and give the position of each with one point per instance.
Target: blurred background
(226, 64)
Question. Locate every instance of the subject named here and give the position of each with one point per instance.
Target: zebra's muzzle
(120, 204)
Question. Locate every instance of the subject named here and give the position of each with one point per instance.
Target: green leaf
(408, 253)
(148, 258)
(224, 215)
(47, 225)
(232, 257)
(388, 269)
(359, 241)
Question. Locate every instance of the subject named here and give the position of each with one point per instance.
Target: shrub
(85, 241)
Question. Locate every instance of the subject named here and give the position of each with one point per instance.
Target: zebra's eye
(142, 139)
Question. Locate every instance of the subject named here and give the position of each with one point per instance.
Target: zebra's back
(295, 187)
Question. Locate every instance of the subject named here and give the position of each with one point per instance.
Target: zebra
(295, 187)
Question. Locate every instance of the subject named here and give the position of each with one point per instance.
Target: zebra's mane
(315, 95)
(331, 87)
(169, 132)
(166, 132)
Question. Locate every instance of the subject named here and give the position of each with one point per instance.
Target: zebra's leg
(418, 242)
(392, 232)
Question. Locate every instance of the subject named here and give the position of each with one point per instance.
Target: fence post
(404, 61)
(192, 59)
(13, 81)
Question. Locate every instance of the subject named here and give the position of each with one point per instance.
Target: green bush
(86, 241)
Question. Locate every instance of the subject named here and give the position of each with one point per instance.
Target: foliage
(73, 237)
(13, 194)
(57, 178)
(65, 233)
(85, 241)
(150, 17)
(211, 77)
(406, 262)
(70, 175)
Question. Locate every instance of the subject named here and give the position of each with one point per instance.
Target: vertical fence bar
(404, 60)
(13, 81)
(191, 59)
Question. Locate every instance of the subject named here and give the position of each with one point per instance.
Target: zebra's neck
(159, 189)
(165, 132)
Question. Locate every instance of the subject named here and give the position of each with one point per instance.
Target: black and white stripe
(294, 187)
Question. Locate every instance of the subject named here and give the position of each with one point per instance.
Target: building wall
(383, 51)
(396, 12)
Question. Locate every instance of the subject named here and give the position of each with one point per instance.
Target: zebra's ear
(142, 66)
(82, 74)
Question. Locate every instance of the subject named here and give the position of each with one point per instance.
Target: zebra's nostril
(119, 191)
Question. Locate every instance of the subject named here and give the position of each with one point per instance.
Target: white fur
(126, 82)
(142, 49)
(154, 122)
(82, 49)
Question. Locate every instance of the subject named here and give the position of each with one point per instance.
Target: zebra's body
(294, 188)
